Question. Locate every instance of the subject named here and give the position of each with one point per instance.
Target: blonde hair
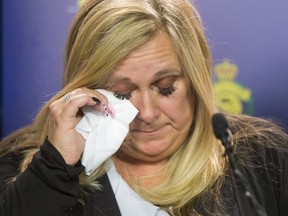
(103, 33)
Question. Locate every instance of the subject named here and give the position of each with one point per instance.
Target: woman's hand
(64, 115)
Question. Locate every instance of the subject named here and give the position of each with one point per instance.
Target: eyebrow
(168, 71)
(158, 75)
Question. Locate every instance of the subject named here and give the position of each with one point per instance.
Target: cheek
(179, 108)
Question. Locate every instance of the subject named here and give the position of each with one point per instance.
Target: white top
(129, 202)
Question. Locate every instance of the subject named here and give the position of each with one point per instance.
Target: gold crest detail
(80, 2)
(231, 97)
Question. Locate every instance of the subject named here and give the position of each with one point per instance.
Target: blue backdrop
(245, 36)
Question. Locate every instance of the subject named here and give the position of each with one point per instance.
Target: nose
(147, 105)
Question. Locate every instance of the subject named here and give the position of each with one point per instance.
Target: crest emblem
(80, 2)
(231, 96)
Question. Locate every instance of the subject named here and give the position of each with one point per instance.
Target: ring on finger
(67, 97)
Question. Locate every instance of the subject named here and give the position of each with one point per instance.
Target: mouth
(148, 132)
(145, 131)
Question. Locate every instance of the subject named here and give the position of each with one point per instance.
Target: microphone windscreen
(220, 124)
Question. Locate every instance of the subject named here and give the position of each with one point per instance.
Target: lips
(145, 131)
(148, 132)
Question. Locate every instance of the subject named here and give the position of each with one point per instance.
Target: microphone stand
(227, 143)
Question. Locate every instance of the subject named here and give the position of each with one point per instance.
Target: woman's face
(152, 79)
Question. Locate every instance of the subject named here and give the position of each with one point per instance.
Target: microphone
(222, 132)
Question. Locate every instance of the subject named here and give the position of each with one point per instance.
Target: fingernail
(96, 100)
(105, 109)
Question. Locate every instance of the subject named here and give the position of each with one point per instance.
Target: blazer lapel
(102, 202)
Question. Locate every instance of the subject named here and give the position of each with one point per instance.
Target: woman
(154, 54)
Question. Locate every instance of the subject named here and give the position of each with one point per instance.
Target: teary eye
(166, 84)
(122, 96)
(167, 91)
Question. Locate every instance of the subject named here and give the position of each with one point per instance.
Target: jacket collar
(102, 202)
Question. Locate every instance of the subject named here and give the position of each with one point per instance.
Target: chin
(153, 153)
(152, 150)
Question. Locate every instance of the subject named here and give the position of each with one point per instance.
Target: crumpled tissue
(104, 134)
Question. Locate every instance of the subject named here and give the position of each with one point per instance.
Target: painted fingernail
(96, 100)
(105, 109)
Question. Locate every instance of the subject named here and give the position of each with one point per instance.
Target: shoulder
(13, 149)
(10, 167)
(258, 141)
(18, 139)
(258, 131)
(261, 147)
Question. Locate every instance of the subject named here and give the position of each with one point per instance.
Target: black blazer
(36, 192)
(102, 203)
(49, 187)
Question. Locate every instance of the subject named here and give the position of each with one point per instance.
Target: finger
(71, 108)
(99, 101)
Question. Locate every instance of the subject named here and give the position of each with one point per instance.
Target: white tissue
(104, 134)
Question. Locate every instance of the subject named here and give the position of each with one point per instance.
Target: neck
(144, 174)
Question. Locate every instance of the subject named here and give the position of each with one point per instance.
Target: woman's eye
(122, 96)
(167, 91)
(166, 85)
